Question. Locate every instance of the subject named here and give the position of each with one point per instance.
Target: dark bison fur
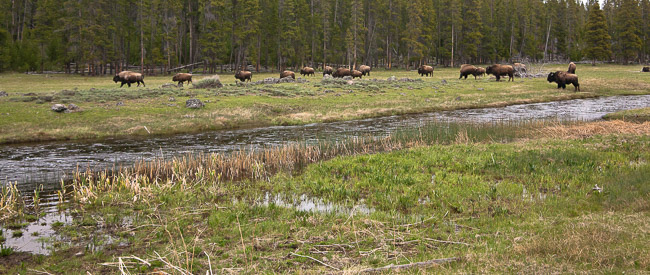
(365, 70)
(328, 70)
(499, 70)
(564, 78)
(342, 72)
(466, 70)
(425, 70)
(646, 69)
(244, 75)
(572, 68)
(288, 74)
(182, 77)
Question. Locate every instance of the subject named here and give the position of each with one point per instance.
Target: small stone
(350, 82)
(194, 104)
(458, 98)
(59, 108)
(347, 77)
(444, 82)
(481, 89)
(402, 94)
(328, 91)
(518, 239)
(171, 98)
(73, 107)
(3, 94)
(120, 104)
(392, 78)
(327, 76)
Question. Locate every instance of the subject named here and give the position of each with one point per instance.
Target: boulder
(3, 93)
(391, 79)
(287, 79)
(194, 104)
(328, 76)
(59, 108)
(73, 107)
(347, 77)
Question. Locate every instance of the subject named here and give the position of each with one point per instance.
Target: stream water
(43, 165)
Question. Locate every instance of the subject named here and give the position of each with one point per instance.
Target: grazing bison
(572, 68)
(288, 74)
(307, 71)
(645, 69)
(182, 77)
(425, 70)
(365, 70)
(244, 75)
(467, 69)
(499, 70)
(128, 77)
(479, 72)
(342, 72)
(356, 74)
(328, 70)
(564, 78)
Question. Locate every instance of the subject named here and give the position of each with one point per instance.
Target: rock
(73, 107)
(169, 85)
(59, 108)
(481, 89)
(194, 103)
(3, 93)
(444, 82)
(347, 77)
(29, 94)
(46, 98)
(120, 104)
(402, 94)
(327, 76)
(287, 79)
(458, 98)
(271, 80)
(171, 105)
(391, 79)
(328, 91)
(68, 93)
(171, 98)
(350, 82)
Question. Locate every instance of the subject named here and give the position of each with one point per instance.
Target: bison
(365, 70)
(645, 69)
(356, 74)
(307, 71)
(425, 70)
(182, 77)
(499, 70)
(288, 74)
(328, 70)
(244, 75)
(467, 69)
(564, 78)
(572, 68)
(479, 72)
(342, 72)
(128, 77)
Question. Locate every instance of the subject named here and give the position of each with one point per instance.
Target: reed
(11, 202)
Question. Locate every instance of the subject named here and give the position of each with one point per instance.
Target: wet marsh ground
(110, 111)
(494, 197)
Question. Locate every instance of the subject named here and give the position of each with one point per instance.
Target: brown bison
(356, 74)
(564, 78)
(307, 71)
(572, 68)
(128, 77)
(244, 75)
(182, 77)
(342, 72)
(466, 70)
(365, 70)
(425, 70)
(479, 72)
(328, 70)
(646, 69)
(288, 74)
(499, 70)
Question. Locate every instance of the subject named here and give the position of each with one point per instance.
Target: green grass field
(639, 115)
(108, 111)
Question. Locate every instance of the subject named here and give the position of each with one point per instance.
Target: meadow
(110, 111)
(543, 197)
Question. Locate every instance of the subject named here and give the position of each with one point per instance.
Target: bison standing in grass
(365, 70)
(128, 77)
(564, 78)
(244, 75)
(499, 70)
(307, 71)
(181, 78)
(479, 72)
(466, 70)
(328, 70)
(356, 74)
(288, 74)
(342, 72)
(572, 68)
(646, 69)
(425, 70)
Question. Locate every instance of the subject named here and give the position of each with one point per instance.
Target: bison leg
(143, 83)
(498, 78)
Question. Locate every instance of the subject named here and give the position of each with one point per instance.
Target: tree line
(102, 36)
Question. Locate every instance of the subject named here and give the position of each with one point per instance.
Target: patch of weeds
(15, 226)
(2, 238)
(31, 218)
(88, 221)
(57, 224)
(17, 234)
(6, 251)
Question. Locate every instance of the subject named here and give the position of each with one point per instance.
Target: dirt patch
(14, 259)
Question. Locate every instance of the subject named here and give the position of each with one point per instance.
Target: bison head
(489, 69)
(117, 78)
(551, 77)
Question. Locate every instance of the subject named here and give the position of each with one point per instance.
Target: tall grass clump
(208, 83)
(11, 203)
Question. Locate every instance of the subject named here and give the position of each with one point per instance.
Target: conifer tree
(598, 39)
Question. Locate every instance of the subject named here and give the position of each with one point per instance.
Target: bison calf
(466, 70)
(356, 74)
(182, 77)
(572, 68)
(564, 78)
(425, 70)
(328, 70)
(365, 70)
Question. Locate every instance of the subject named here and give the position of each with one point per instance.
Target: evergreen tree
(627, 18)
(598, 39)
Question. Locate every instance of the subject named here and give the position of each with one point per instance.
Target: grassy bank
(108, 111)
(516, 198)
(638, 115)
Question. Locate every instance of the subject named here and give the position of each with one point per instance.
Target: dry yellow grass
(595, 128)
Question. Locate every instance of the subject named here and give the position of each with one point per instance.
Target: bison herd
(560, 77)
